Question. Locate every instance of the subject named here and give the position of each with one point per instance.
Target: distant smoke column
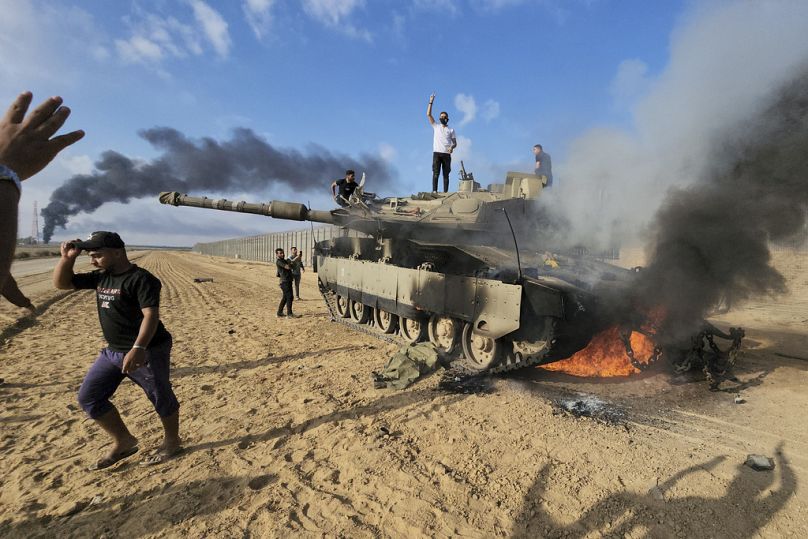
(711, 240)
(244, 163)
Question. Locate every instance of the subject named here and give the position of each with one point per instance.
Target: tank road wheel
(386, 322)
(481, 353)
(444, 332)
(412, 329)
(360, 313)
(342, 306)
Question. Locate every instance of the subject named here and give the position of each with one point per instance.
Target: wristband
(8, 174)
(138, 347)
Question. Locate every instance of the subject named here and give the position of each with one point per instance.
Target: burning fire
(605, 356)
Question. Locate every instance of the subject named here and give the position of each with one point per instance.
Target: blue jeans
(105, 376)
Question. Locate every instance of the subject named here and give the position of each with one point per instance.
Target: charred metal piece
(704, 353)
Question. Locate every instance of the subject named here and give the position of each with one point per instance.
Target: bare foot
(119, 451)
(167, 451)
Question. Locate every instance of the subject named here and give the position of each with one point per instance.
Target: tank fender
(543, 300)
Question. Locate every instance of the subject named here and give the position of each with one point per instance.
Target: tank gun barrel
(291, 211)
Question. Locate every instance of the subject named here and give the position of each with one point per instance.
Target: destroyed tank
(464, 270)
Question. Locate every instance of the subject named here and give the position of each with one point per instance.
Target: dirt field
(285, 435)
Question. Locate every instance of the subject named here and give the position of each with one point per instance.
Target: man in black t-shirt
(346, 188)
(284, 273)
(138, 345)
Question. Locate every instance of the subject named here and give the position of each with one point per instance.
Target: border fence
(262, 248)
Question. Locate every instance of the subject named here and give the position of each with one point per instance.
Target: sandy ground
(285, 435)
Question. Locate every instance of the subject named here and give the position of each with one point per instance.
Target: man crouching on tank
(138, 345)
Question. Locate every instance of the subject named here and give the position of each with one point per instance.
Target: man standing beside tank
(296, 261)
(346, 186)
(284, 273)
(544, 166)
(443, 143)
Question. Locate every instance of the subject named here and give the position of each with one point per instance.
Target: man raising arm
(444, 142)
(138, 345)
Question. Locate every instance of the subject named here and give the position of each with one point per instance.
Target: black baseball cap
(100, 240)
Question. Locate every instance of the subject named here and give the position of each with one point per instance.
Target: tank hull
(533, 323)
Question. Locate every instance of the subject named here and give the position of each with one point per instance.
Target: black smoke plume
(244, 163)
(710, 241)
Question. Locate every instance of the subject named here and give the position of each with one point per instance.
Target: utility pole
(35, 226)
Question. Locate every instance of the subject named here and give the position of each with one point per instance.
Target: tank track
(715, 362)
(510, 363)
(330, 300)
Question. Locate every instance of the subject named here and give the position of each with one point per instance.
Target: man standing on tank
(284, 273)
(444, 142)
(544, 166)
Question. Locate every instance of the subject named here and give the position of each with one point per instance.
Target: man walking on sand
(138, 345)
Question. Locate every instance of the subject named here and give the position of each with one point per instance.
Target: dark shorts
(105, 376)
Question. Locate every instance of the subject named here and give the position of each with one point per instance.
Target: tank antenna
(516, 245)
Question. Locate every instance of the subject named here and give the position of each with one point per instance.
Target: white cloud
(630, 81)
(259, 15)
(494, 5)
(490, 110)
(139, 49)
(78, 164)
(335, 14)
(44, 44)
(100, 53)
(387, 152)
(213, 25)
(448, 7)
(331, 12)
(466, 104)
(155, 38)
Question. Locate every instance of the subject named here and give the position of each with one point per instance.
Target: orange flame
(605, 356)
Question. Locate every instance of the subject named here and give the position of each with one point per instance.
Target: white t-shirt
(443, 138)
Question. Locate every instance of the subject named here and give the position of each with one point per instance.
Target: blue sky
(352, 76)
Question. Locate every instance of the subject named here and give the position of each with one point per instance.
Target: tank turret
(475, 215)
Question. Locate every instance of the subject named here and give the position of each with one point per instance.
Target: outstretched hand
(432, 97)
(26, 145)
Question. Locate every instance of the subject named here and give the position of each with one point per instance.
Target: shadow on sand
(751, 500)
(180, 372)
(144, 513)
(29, 321)
(384, 404)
